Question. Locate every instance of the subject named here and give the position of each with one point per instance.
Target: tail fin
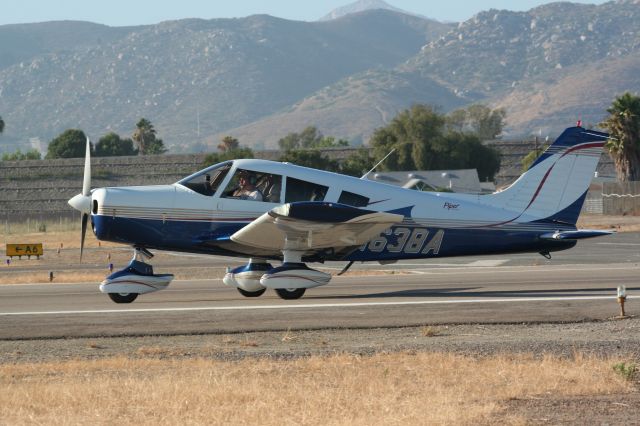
(555, 186)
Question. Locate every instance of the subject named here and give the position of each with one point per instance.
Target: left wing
(314, 225)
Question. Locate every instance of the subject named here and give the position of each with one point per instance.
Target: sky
(143, 12)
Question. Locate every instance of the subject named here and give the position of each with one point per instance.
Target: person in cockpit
(269, 188)
(246, 187)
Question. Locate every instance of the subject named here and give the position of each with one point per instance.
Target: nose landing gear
(125, 285)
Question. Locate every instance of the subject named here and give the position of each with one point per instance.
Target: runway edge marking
(317, 305)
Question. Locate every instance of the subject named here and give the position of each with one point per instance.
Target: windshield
(207, 181)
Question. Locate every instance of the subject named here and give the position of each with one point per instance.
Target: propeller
(82, 201)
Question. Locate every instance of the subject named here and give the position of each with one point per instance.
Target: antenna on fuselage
(364, 176)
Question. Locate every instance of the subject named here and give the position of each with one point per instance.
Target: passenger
(246, 187)
(270, 189)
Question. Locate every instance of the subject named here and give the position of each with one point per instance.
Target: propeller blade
(83, 202)
(86, 182)
(85, 218)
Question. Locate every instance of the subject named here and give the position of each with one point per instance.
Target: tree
(485, 122)
(358, 163)
(413, 133)
(112, 145)
(1, 125)
(32, 154)
(424, 139)
(309, 138)
(478, 119)
(69, 144)
(229, 143)
(233, 154)
(146, 140)
(623, 123)
(310, 158)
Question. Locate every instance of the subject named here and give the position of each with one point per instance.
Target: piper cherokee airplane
(269, 211)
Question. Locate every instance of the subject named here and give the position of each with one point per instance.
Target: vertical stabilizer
(555, 186)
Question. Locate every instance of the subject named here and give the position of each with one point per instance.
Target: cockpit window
(208, 180)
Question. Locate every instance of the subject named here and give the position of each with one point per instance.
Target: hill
(261, 77)
(547, 67)
(23, 42)
(350, 109)
(223, 73)
(361, 6)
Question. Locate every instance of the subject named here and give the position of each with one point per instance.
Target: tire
(256, 293)
(123, 297)
(290, 293)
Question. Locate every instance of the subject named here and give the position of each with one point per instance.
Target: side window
(254, 186)
(300, 190)
(351, 199)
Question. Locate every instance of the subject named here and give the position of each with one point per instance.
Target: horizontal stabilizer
(575, 235)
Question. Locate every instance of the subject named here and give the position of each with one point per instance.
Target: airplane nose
(81, 203)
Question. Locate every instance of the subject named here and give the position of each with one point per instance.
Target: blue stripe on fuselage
(189, 236)
(450, 242)
(399, 242)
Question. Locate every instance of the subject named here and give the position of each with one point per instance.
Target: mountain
(547, 67)
(195, 74)
(521, 59)
(361, 6)
(351, 108)
(23, 42)
(582, 92)
(260, 77)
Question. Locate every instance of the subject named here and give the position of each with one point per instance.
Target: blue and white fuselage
(306, 215)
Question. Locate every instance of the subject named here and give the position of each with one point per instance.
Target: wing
(312, 226)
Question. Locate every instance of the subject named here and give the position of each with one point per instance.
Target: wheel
(256, 293)
(290, 293)
(123, 297)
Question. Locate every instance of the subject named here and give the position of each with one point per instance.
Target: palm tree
(1, 125)
(143, 135)
(623, 124)
(229, 143)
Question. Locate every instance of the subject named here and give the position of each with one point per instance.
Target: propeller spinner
(82, 201)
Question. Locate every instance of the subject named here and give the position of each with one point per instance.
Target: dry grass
(429, 331)
(58, 277)
(52, 240)
(344, 389)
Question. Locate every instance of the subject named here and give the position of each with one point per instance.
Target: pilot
(246, 187)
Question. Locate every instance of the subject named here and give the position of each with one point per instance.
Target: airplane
(269, 211)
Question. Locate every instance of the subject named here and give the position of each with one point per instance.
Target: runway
(577, 285)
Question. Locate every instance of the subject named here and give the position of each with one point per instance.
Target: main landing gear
(125, 285)
(290, 281)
